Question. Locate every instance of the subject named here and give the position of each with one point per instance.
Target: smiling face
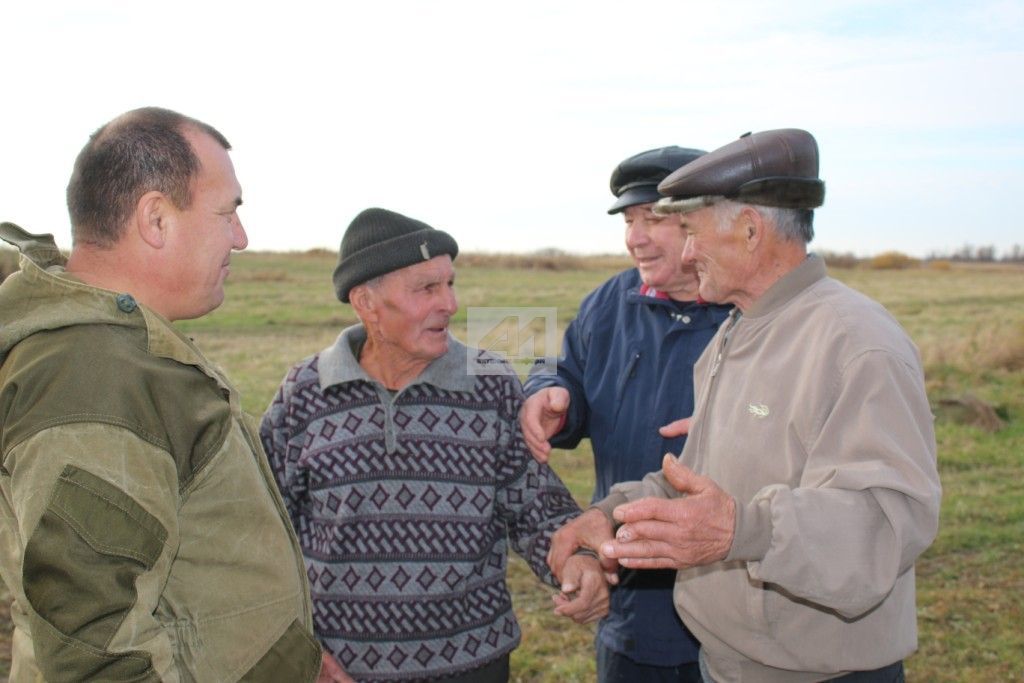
(718, 247)
(408, 312)
(205, 233)
(656, 243)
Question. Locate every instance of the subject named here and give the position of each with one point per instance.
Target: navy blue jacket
(627, 361)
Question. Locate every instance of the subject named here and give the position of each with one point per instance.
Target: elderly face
(411, 308)
(716, 246)
(656, 242)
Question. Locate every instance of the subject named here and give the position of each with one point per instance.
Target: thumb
(681, 477)
(675, 428)
(558, 400)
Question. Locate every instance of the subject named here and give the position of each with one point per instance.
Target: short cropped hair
(138, 152)
(790, 224)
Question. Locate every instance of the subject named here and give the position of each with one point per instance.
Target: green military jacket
(141, 534)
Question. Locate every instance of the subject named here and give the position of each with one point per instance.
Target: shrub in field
(835, 259)
(940, 264)
(891, 260)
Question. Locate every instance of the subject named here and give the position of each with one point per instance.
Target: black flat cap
(635, 180)
(378, 241)
(770, 168)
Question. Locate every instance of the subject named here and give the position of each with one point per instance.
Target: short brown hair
(140, 151)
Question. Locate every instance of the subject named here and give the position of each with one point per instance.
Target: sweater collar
(338, 364)
(788, 287)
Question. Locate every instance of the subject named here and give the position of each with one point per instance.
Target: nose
(451, 302)
(636, 234)
(240, 239)
(688, 251)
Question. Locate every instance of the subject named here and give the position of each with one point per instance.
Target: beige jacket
(812, 413)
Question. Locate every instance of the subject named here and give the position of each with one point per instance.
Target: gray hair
(791, 224)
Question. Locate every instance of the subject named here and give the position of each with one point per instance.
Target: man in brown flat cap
(808, 484)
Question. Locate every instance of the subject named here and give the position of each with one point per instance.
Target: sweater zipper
(720, 351)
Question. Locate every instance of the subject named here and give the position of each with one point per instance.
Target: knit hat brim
(390, 255)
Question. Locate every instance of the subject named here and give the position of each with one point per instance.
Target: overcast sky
(501, 122)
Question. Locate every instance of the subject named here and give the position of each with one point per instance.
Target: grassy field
(968, 322)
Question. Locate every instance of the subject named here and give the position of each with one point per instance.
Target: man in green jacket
(141, 535)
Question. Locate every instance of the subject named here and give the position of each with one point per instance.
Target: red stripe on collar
(651, 292)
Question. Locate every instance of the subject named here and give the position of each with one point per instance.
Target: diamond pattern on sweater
(454, 422)
(428, 419)
(430, 497)
(405, 496)
(426, 579)
(424, 655)
(405, 546)
(400, 578)
(456, 499)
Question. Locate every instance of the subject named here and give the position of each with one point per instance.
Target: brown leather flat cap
(771, 168)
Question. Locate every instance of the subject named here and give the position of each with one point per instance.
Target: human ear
(151, 219)
(362, 302)
(753, 226)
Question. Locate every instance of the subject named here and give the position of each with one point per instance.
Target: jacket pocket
(294, 657)
(81, 562)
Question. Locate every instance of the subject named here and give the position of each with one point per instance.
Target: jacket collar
(58, 299)
(338, 364)
(788, 287)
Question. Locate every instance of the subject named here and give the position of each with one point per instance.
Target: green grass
(967, 321)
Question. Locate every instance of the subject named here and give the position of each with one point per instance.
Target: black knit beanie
(379, 241)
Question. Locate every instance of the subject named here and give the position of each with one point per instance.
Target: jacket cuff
(608, 504)
(752, 535)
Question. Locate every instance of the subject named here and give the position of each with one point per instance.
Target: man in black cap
(625, 370)
(808, 485)
(406, 477)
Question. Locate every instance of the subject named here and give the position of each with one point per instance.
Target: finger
(671, 531)
(681, 477)
(570, 579)
(539, 448)
(562, 548)
(645, 508)
(558, 400)
(641, 549)
(676, 428)
(651, 563)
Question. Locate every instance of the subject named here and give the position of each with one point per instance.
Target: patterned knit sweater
(404, 506)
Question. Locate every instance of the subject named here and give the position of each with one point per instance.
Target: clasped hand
(693, 530)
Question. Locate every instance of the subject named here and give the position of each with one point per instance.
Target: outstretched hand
(540, 418)
(690, 531)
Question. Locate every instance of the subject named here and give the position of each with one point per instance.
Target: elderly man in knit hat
(624, 371)
(808, 484)
(406, 477)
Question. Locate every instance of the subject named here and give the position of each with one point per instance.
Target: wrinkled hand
(589, 530)
(676, 428)
(584, 596)
(331, 671)
(541, 417)
(691, 531)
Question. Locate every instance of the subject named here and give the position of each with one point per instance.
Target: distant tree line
(894, 259)
(985, 254)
